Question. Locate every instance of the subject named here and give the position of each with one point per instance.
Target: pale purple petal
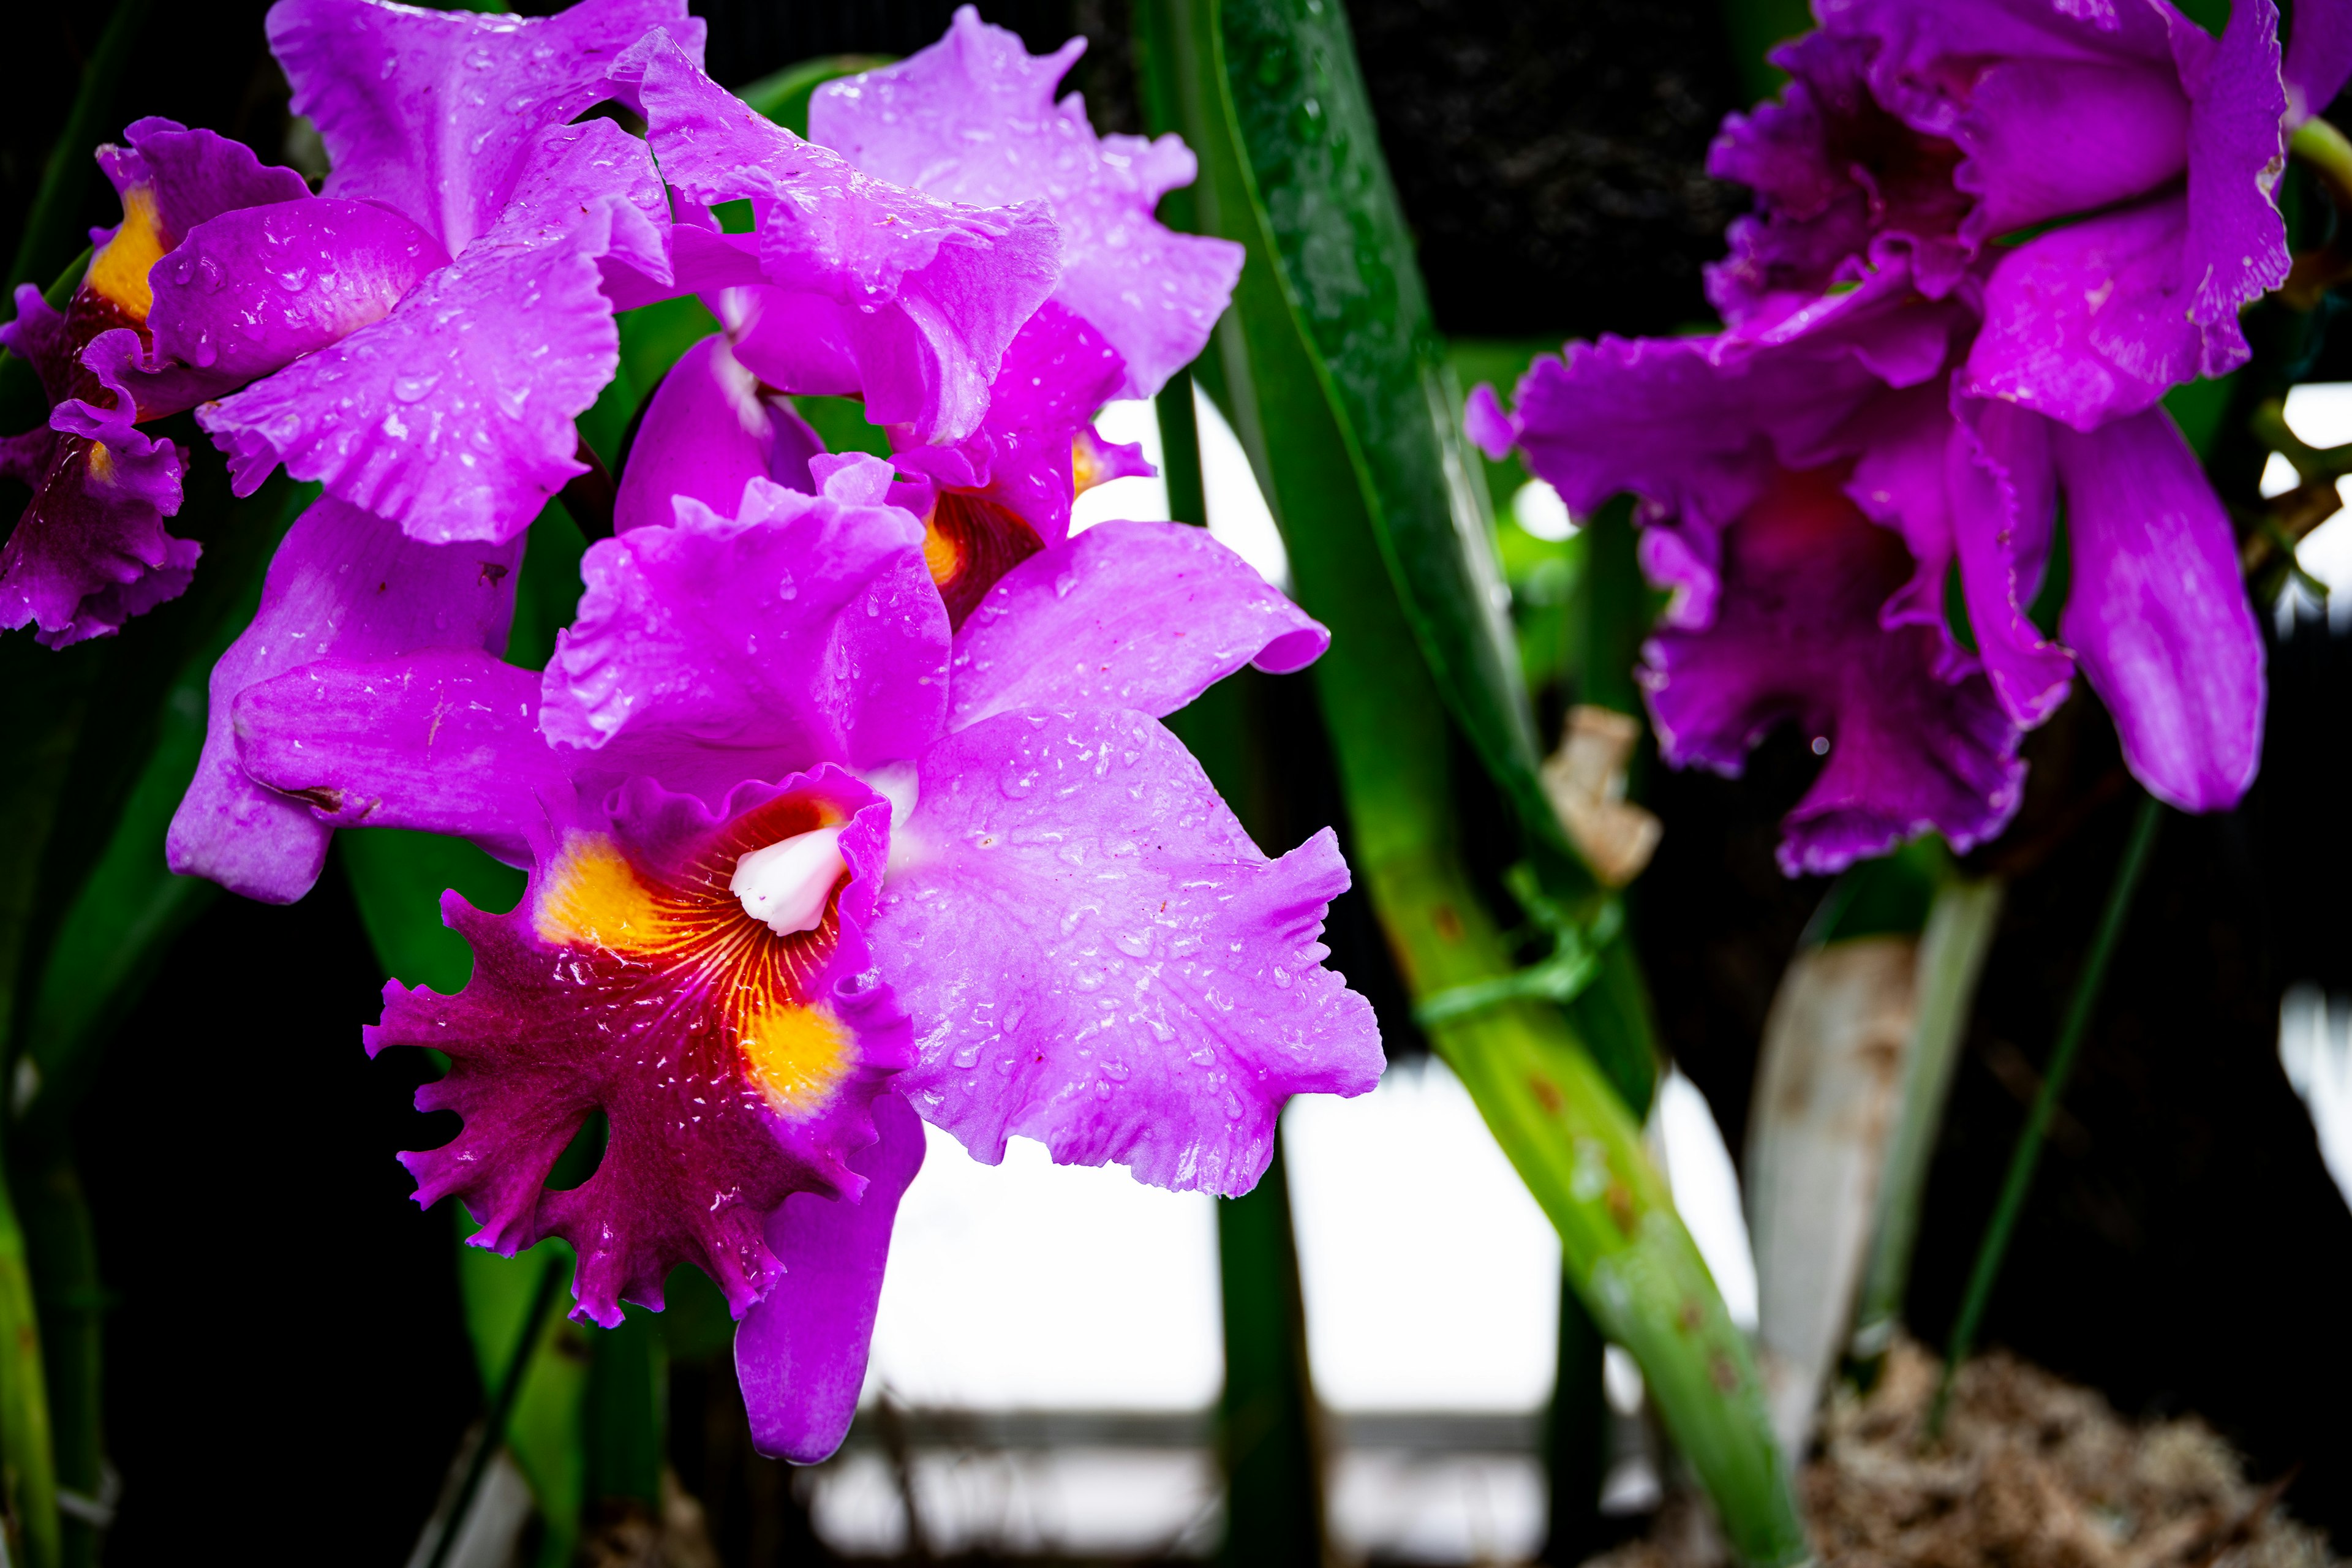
(253, 290)
(709, 430)
(715, 649)
(926, 294)
(453, 414)
(1798, 638)
(2156, 610)
(800, 1354)
(346, 584)
(439, 114)
(972, 119)
(446, 740)
(1145, 615)
(1152, 990)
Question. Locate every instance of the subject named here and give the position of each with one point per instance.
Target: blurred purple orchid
(769, 801)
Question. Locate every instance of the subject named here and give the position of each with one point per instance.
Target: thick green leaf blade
(1561, 1121)
(1346, 265)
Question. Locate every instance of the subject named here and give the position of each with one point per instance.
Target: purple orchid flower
(795, 846)
(441, 313)
(1792, 477)
(90, 549)
(1930, 128)
(1749, 436)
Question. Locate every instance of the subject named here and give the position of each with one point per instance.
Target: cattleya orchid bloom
(1932, 128)
(1793, 477)
(803, 859)
(90, 549)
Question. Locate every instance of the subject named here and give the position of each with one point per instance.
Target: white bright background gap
(2320, 414)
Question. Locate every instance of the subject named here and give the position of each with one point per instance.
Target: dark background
(286, 1365)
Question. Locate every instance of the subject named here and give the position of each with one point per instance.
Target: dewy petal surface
(1153, 989)
(734, 1067)
(446, 740)
(2156, 610)
(344, 584)
(453, 414)
(972, 119)
(800, 1353)
(805, 630)
(1798, 638)
(438, 114)
(919, 297)
(1145, 615)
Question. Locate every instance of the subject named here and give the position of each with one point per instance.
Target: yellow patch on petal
(118, 273)
(941, 554)
(592, 896)
(796, 1056)
(100, 462)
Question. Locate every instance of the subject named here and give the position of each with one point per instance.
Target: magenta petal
(716, 649)
(972, 119)
(2004, 497)
(2156, 610)
(2318, 56)
(800, 1353)
(1145, 615)
(453, 414)
(446, 740)
(925, 294)
(2092, 321)
(707, 431)
(734, 1066)
(90, 549)
(253, 290)
(2236, 246)
(191, 176)
(1152, 990)
(344, 585)
(1798, 638)
(2050, 137)
(438, 114)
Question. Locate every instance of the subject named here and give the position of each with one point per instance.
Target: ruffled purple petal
(2236, 246)
(446, 740)
(440, 114)
(920, 297)
(90, 549)
(252, 290)
(37, 336)
(800, 1354)
(191, 176)
(344, 585)
(453, 414)
(2003, 496)
(1694, 425)
(2318, 56)
(2156, 611)
(1145, 615)
(1798, 638)
(972, 119)
(734, 1067)
(715, 649)
(709, 430)
(1841, 186)
(1152, 990)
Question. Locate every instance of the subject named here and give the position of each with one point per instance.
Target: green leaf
(784, 95)
(840, 424)
(51, 228)
(546, 1431)
(1560, 1120)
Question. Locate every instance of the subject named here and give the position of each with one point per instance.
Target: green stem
(1267, 1436)
(2027, 1153)
(50, 229)
(494, 1419)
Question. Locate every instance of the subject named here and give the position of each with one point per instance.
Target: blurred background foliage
(287, 1346)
